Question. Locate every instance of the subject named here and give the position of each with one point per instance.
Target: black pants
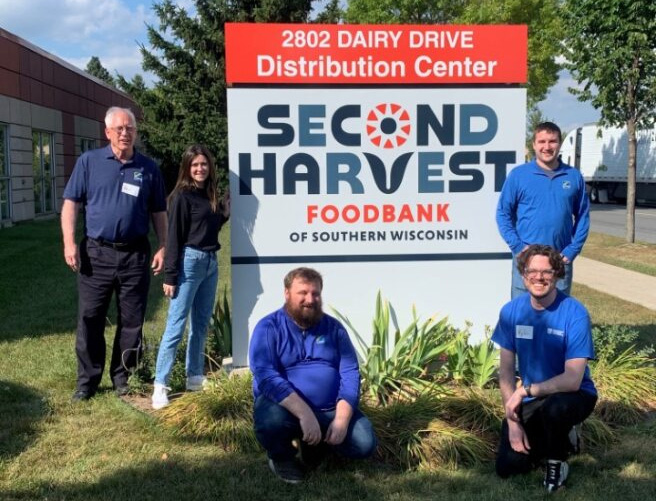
(546, 422)
(103, 272)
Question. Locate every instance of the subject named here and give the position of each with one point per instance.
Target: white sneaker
(555, 474)
(160, 398)
(196, 383)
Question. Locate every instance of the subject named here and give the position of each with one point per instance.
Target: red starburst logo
(388, 125)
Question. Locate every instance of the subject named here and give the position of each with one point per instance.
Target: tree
(541, 16)
(403, 11)
(187, 104)
(96, 69)
(331, 14)
(611, 51)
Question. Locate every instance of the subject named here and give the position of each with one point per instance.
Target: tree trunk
(631, 181)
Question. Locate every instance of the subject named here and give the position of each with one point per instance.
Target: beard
(305, 316)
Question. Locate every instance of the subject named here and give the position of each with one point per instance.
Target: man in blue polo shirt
(544, 202)
(546, 334)
(121, 190)
(306, 382)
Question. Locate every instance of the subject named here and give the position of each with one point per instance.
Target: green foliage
(95, 68)
(610, 46)
(139, 381)
(542, 18)
(473, 409)
(596, 434)
(610, 340)
(221, 414)
(403, 11)
(472, 364)
(413, 363)
(188, 101)
(331, 14)
(411, 435)
(626, 383)
(219, 343)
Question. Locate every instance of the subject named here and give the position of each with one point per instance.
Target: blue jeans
(517, 287)
(276, 427)
(195, 293)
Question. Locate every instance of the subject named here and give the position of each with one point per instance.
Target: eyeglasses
(530, 273)
(128, 129)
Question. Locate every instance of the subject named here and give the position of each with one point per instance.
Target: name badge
(524, 332)
(130, 189)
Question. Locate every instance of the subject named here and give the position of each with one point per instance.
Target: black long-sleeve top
(191, 223)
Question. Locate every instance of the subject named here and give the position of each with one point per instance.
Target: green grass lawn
(105, 449)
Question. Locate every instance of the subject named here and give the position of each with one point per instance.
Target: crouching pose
(306, 382)
(548, 334)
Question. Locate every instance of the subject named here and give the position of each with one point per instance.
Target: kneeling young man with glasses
(545, 334)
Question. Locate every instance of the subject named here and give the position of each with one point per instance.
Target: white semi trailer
(602, 156)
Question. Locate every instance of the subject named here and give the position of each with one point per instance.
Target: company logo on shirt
(321, 340)
(555, 332)
(567, 185)
(138, 176)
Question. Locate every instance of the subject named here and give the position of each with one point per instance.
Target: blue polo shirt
(538, 208)
(118, 198)
(319, 364)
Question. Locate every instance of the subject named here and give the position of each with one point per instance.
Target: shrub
(411, 435)
(412, 365)
(472, 365)
(627, 386)
(222, 414)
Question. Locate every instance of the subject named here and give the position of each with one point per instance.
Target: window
(5, 180)
(43, 171)
(87, 144)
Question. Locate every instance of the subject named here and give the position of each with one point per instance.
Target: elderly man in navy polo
(121, 190)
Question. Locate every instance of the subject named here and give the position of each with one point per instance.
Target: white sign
(379, 189)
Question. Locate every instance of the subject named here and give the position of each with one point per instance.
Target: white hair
(117, 109)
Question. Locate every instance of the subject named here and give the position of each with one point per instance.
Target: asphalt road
(611, 220)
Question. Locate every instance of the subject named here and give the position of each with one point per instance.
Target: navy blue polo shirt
(118, 198)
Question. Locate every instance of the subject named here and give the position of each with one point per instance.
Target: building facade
(50, 112)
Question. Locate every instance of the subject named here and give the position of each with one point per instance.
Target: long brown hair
(185, 181)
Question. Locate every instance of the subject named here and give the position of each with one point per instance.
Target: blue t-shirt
(538, 208)
(118, 198)
(319, 364)
(543, 340)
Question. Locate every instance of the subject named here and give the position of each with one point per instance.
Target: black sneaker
(555, 475)
(81, 395)
(312, 455)
(287, 471)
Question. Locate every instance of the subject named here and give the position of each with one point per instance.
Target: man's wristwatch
(527, 388)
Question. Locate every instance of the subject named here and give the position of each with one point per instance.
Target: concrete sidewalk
(624, 284)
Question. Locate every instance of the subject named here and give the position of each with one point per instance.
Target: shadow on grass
(246, 477)
(21, 410)
(38, 296)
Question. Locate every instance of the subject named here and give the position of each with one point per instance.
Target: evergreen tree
(187, 104)
(96, 69)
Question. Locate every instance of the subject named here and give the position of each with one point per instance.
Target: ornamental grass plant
(221, 414)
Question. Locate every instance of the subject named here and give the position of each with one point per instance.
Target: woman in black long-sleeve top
(196, 216)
